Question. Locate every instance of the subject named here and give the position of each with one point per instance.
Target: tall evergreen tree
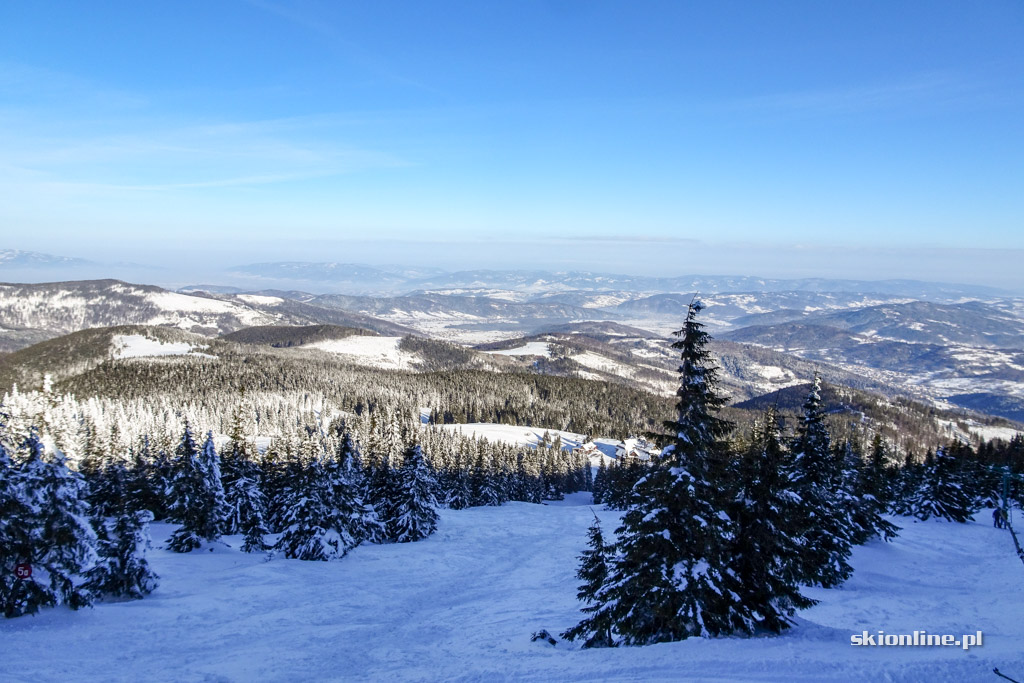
(483, 484)
(314, 528)
(821, 521)
(941, 493)
(414, 514)
(596, 629)
(196, 493)
(600, 483)
(382, 494)
(60, 542)
(671, 578)
(19, 540)
(765, 556)
(863, 492)
(123, 571)
(246, 511)
(349, 480)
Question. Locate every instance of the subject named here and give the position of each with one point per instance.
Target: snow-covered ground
(461, 606)
(515, 435)
(140, 346)
(381, 352)
(534, 348)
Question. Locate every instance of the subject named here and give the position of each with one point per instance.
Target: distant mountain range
(358, 278)
(15, 258)
(30, 313)
(949, 344)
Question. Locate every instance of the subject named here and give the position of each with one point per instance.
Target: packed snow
(462, 605)
(139, 346)
(534, 348)
(381, 352)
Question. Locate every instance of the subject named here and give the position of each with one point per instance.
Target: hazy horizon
(872, 141)
(174, 270)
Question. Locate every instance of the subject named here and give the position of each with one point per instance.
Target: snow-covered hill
(62, 307)
(30, 313)
(461, 606)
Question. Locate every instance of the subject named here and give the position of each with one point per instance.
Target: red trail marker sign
(23, 570)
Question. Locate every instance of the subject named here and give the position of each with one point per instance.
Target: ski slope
(461, 606)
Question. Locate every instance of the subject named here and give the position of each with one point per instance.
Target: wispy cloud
(337, 41)
(936, 88)
(29, 85)
(153, 158)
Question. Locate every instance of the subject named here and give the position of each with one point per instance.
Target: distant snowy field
(534, 348)
(381, 352)
(139, 346)
(515, 435)
(461, 606)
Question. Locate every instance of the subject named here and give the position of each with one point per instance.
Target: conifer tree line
(83, 528)
(280, 384)
(720, 536)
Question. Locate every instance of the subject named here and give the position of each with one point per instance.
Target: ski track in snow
(462, 604)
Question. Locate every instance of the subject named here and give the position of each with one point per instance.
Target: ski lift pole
(1002, 675)
(1006, 494)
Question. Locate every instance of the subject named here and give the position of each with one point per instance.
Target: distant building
(636, 447)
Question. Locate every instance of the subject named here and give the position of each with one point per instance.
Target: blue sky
(775, 138)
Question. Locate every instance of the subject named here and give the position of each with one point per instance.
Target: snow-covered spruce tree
(349, 482)
(122, 571)
(621, 479)
(240, 476)
(381, 492)
(314, 528)
(148, 484)
(197, 496)
(820, 520)
(765, 556)
(596, 628)
(247, 506)
(941, 493)
(483, 483)
(63, 543)
(238, 457)
(908, 481)
(19, 539)
(600, 483)
(414, 515)
(862, 493)
(671, 579)
(457, 492)
(108, 485)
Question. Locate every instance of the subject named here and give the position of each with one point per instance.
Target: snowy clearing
(515, 435)
(596, 361)
(139, 346)
(534, 348)
(381, 352)
(259, 299)
(461, 605)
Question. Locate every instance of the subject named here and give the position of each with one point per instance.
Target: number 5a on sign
(23, 570)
